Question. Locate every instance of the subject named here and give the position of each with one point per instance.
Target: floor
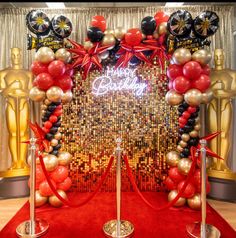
(10, 206)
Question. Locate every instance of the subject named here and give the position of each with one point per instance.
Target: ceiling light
(174, 4)
(55, 4)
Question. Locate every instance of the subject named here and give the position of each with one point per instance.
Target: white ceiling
(98, 4)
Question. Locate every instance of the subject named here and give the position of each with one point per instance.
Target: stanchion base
(23, 230)
(126, 229)
(194, 230)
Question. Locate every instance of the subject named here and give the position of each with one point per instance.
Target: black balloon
(134, 61)
(188, 128)
(53, 130)
(49, 136)
(55, 103)
(57, 124)
(54, 152)
(47, 114)
(186, 151)
(181, 108)
(44, 119)
(148, 25)
(193, 141)
(51, 108)
(185, 105)
(191, 121)
(194, 115)
(94, 34)
(57, 147)
(181, 131)
(182, 155)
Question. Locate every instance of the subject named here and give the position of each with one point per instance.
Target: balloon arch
(178, 39)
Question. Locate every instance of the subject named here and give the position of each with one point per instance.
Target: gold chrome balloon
(54, 142)
(197, 127)
(63, 55)
(181, 56)
(67, 97)
(43, 107)
(50, 162)
(104, 55)
(179, 148)
(54, 201)
(64, 158)
(183, 143)
(109, 31)
(54, 94)
(119, 33)
(195, 202)
(172, 195)
(202, 56)
(37, 95)
(49, 149)
(197, 120)
(39, 199)
(184, 166)
(207, 96)
(88, 45)
(173, 98)
(47, 102)
(57, 136)
(109, 39)
(45, 55)
(162, 28)
(194, 134)
(193, 97)
(172, 158)
(185, 137)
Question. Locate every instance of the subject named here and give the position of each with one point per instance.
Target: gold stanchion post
(33, 227)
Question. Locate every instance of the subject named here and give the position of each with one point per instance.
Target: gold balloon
(63, 55)
(45, 55)
(54, 201)
(88, 45)
(197, 127)
(173, 98)
(119, 33)
(184, 166)
(195, 202)
(193, 97)
(183, 143)
(64, 158)
(197, 120)
(50, 162)
(104, 55)
(109, 31)
(179, 148)
(47, 102)
(185, 137)
(162, 28)
(49, 149)
(43, 112)
(37, 95)
(29, 160)
(194, 134)
(67, 96)
(57, 136)
(39, 199)
(172, 195)
(207, 96)
(155, 35)
(172, 158)
(54, 142)
(43, 107)
(182, 56)
(54, 94)
(109, 39)
(202, 56)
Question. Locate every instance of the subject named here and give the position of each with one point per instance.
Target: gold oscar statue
(219, 115)
(15, 83)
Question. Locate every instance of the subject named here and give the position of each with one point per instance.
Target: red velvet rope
(130, 175)
(66, 202)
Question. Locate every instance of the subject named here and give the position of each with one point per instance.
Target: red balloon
(44, 188)
(189, 190)
(175, 175)
(56, 68)
(174, 71)
(133, 37)
(65, 185)
(170, 184)
(161, 17)
(199, 187)
(46, 130)
(44, 81)
(181, 84)
(100, 22)
(64, 82)
(170, 84)
(192, 70)
(53, 119)
(40, 177)
(191, 109)
(186, 115)
(182, 120)
(57, 112)
(47, 124)
(181, 125)
(35, 83)
(206, 70)
(38, 68)
(60, 174)
(69, 70)
(202, 83)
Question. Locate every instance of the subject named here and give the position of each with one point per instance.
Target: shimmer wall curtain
(13, 34)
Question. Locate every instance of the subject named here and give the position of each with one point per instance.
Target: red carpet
(87, 221)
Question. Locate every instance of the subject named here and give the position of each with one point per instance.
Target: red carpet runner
(87, 221)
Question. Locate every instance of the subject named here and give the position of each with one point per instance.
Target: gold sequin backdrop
(13, 34)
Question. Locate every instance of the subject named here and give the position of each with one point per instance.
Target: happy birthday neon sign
(118, 80)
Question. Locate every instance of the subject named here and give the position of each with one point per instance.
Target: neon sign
(118, 80)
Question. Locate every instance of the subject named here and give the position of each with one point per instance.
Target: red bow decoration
(40, 137)
(86, 59)
(127, 52)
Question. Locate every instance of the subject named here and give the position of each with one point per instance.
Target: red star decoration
(86, 59)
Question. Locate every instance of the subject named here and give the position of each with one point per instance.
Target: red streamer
(66, 202)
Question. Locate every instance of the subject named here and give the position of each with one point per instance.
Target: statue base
(15, 172)
(222, 189)
(14, 187)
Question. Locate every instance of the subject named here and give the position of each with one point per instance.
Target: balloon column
(52, 86)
